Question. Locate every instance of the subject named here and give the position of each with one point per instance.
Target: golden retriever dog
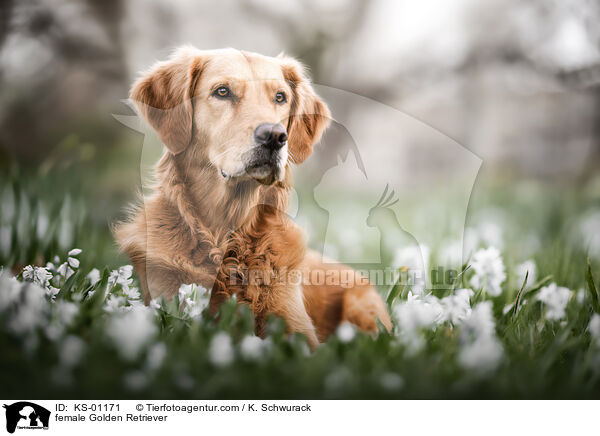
(233, 123)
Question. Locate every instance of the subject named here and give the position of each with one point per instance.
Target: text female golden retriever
(233, 122)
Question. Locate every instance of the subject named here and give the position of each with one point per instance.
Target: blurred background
(514, 83)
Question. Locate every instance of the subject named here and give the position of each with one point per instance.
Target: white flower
(93, 276)
(28, 273)
(419, 311)
(155, 303)
(221, 351)
(482, 355)
(10, 289)
(194, 299)
(193, 309)
(464, 293)
(135, 303)
(414, 314)
(54, 331)
(457, 307)
(38, 275)
(66, 311)
(131, 331)
(185, 290)
(156, 355)
(121, 277)
(489, 271)
(555, 298)
(71, 350)
(196, 312)
(114, 304)
(594, 328)
(427, 312)
(345, 332)
(74, 252)
(523, 269)
(73, 262)
(52, 292)
(64, 270)
(480, 350)
(480, 323)
(131, 293)
(390, 381)
(252, 347)
(126, 271)
(32, 311)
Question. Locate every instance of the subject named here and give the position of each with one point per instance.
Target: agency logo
(26, 415)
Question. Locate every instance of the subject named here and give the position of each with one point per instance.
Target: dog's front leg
(289, 305)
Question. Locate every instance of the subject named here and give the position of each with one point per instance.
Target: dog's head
(246, 115)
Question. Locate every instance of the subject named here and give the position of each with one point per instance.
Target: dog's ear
(164, 96)
(309, 115)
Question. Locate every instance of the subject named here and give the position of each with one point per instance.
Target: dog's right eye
(222, 92)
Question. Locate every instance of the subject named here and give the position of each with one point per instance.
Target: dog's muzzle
(267, 160)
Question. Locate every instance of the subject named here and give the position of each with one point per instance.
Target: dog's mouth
(265, 168)
(263, 172)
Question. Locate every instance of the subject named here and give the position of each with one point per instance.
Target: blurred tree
(62, 66)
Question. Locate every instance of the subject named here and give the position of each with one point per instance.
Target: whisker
(292, 155)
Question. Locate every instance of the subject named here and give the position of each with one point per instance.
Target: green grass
(46, 215)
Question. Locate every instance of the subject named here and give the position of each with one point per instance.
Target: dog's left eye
(280, 97)
(222, 92)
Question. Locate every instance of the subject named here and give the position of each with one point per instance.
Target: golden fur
(208, 221)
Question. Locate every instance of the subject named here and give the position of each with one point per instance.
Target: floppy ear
(309, 115)
(164, 95)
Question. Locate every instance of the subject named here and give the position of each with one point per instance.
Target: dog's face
(247, 114)
(243, 114)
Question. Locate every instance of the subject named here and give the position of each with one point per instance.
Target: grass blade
(589, 278)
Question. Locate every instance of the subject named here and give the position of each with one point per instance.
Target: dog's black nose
(271, 136)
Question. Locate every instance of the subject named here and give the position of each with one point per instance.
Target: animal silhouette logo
(409, 257)
(26, 415)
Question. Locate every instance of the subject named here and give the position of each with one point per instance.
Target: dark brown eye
(280, 97)
(222, 92)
